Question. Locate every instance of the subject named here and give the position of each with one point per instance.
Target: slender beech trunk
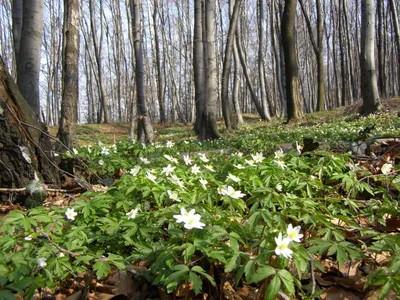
(145, 130)
(29, 53)
(395, 21)
(226, 110)
(318, 50)
(70, 74)
(289, 47)
(369, 86)
(16, 26)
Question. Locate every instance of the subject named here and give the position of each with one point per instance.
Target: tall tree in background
(70, 73)
(369, 87)
(16, 26)
(205, 70)
(397, 37)
(293, 98)
(226, 110)
(28, 61)
(145, 130)
(318, 50)
(160, 88)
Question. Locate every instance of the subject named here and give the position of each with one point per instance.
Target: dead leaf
(350, 268)
(334, 293)
(374, 295)
(75, 296)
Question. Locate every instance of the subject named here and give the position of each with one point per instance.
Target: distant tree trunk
(369, 86)
(198, 64)
(25, 151)
(318, 50)
(293, 98)
(160, 89)
(277, 62)
(226, 110)
(261, 71)
(29, 53)
(97, 45)
(17, 26)
(209, 125)
(397, 37)
(145, 130)
(381, 45)
(235, 92)
(70, 75)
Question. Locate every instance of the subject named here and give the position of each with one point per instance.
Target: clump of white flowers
(282, 244)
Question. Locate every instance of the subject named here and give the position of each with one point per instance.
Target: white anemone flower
(258, 157)
(135, 170)
(386, 168)
(173, 196)
(209, 167)
(279, 187)
(71, 214)
(169, 144)
(195, 169)
(144, 160)
(239, 166)
(151, 177)
(171, 159)
(294, 233)
(203, 157)
(221, 189)
(282, 246)
(190, 219)
(41, 262)
(187, 160)
(203, 183)
(101, 162)
(250, 162)
(233, 177)
(168, 170)
(230, 191)
(132, 213)
(280, 163)
(279, 153)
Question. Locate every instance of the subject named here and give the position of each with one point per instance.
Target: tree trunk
(144, 123)
(318, 50)
(289, 47)
(198, 64)
(160, 89)
(70, 93)
(17, 26)
(226, 110)
(261, 71)
(369, 86)
(29, 53)
(397, 37)
(25, 146)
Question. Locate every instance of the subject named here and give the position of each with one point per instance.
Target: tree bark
(369, 85)
(145, 130)
(293, 98)
(22, 133)
(397, 36)
(16, 26)
(226, 110)
(29, 53)
(70, 74)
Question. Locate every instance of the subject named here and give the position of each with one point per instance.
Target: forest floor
(341, 279)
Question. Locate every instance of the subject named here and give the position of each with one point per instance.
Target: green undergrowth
(192, 212)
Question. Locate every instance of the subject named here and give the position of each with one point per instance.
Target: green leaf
(101, 269)
(197, 282)
(181, 267)
(341, 256)
(19, 286)
(6, 295)
(273, 288)
(261, 273)
(287, 280)
(385, 290)
(233, 263)
(202, 272)
(84, 258)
